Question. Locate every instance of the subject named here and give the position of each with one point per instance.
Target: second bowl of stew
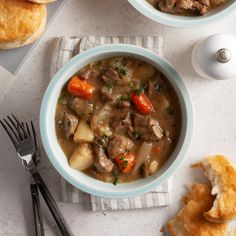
(116, 121)
(184, 13)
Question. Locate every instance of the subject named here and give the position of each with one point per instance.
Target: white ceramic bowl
(183, 21)
(58, 158)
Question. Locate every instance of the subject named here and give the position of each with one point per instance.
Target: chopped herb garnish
(122, 71)
(116, 178)
(62, 99)
(131, 84)
(126, 162)
(136, 134)
(109, 86)
(103, 140)
(123, 97)
(157, 87)
(140, 90)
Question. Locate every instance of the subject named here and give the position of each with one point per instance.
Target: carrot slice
(156, 149)
(126, 162)
(81, 88)
(142, 103)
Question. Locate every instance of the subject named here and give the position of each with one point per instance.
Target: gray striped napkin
(65, 49)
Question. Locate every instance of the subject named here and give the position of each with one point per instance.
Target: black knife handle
(51, 205)
(38, 221)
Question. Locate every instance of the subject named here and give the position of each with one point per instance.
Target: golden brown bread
(21, 22)
(222, 174)
(190, 221)
(42, 1)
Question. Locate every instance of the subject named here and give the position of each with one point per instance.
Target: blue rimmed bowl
(58, 158)
(183, 21)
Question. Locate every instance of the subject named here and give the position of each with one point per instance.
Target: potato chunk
(83, 133)
(104, 129)
(154, 166)
(82, 158)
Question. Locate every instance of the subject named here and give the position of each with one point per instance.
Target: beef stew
(118, 120)
(186, 7)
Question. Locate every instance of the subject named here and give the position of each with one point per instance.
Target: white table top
(215, 116)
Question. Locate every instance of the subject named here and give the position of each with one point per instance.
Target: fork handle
(51, 205)
(39, 229)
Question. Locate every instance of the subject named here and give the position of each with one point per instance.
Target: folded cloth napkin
(65, 49)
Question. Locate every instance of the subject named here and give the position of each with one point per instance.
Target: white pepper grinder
(215, 57)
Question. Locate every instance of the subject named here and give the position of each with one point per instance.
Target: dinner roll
(190, 221)
(222, 174)
(21, 22)
(42, 1)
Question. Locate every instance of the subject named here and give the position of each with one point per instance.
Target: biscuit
(222, 174)
(21, 22)
(42, 1)
(190, 221)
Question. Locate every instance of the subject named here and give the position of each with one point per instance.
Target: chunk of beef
(70, 124)
(81, 107)
(118, 145)
(164, 8)
(122, 100)
(120, 76)
(170, 3)
(202, 6)
(89, 73)
(102, 162)
(123, 104)
(106, 93)
(185, 4)
(178, 6)
(111, 76)
(123, 123)
(147, 127)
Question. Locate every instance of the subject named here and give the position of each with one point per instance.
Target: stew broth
(118, 121)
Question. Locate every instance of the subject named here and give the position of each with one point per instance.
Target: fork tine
(18, 123)
(12, 130)
(15, 126)
(35, 137)
(28, 130)
(27, 127)
(9, 134)
(36, 157)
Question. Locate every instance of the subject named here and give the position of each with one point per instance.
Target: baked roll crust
(190, 221)
(21, 22)
(42, 1)
(222, 174)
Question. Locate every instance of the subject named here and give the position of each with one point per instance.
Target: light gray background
(215, 119)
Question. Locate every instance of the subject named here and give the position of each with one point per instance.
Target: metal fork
(38, 221)
(25, 142)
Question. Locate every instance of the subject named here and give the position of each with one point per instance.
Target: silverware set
(24, 139)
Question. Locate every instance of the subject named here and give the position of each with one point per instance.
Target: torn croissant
(190, 221)
(222, 174)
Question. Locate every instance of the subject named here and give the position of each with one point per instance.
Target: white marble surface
(215, 116)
